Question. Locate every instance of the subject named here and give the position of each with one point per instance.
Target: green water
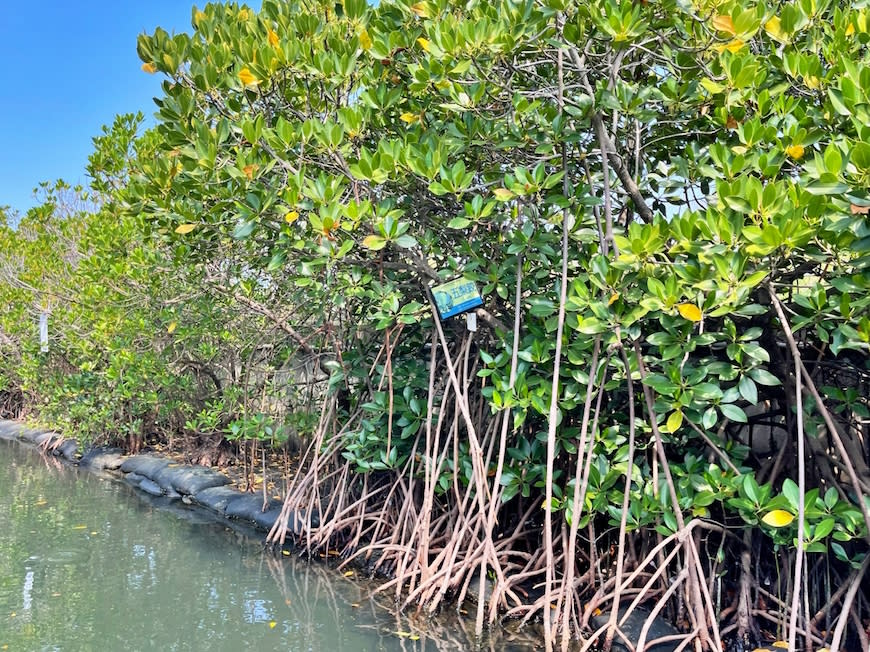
(87, 564)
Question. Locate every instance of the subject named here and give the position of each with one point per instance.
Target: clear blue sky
(67, 67)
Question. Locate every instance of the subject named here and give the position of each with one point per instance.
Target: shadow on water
(89, 564)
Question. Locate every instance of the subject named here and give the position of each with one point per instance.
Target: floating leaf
(778, 518)
(184, 228)
(248, 78)
(348, 574)
(783, 645)
(272, 624)
(286, 553)
(171, 328)
(690, 311)
(150, 68)
(795, 151)
(80, 527)
(724, 24)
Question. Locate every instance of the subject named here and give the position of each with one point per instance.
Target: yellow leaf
(348, 574)
(724, 24)
(403, 634)
(812, 82)
(410, 118)
(273, 38)
(414, 637)
(365, 41)
(197, 17)
(250, 169)
(244, 14)
(795, 151)
(783, 645)
(248, 78)
(291, 217)
(613, 298)
(850, 29)
(80, 527)
(272, 624)
(675, 421)
(184, 228)
(171, 328)
(503, 194)
(690, 311)
(286, 553)
(424, 43)
(421, 9)
(150, 68)
(355, 605)
(735, 45)
(774, 28)
(778, 518)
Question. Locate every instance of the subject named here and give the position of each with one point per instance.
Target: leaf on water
(150, 68)
(778, 518)
(354, 605)
(286, 553)
(80, 527)
(272, 624)
(181, 229)
(690, 311)
(348, 574)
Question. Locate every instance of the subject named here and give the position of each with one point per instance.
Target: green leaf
(748, 390)
(733, 412)
(764, 377)
(374, 242)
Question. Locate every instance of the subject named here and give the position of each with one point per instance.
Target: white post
(43, 332)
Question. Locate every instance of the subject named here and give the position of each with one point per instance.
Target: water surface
(88, 564)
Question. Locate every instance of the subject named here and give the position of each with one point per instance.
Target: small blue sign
(455, 297)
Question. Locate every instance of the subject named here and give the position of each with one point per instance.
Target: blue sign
(455, 297)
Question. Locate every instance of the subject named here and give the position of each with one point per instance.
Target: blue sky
(67, 67)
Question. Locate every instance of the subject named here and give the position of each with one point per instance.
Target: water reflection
(89, 565)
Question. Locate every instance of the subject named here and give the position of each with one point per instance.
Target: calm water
(86, 564)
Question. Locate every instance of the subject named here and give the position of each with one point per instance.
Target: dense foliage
(664, 205)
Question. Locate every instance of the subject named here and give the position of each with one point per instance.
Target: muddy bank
(162, 478)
